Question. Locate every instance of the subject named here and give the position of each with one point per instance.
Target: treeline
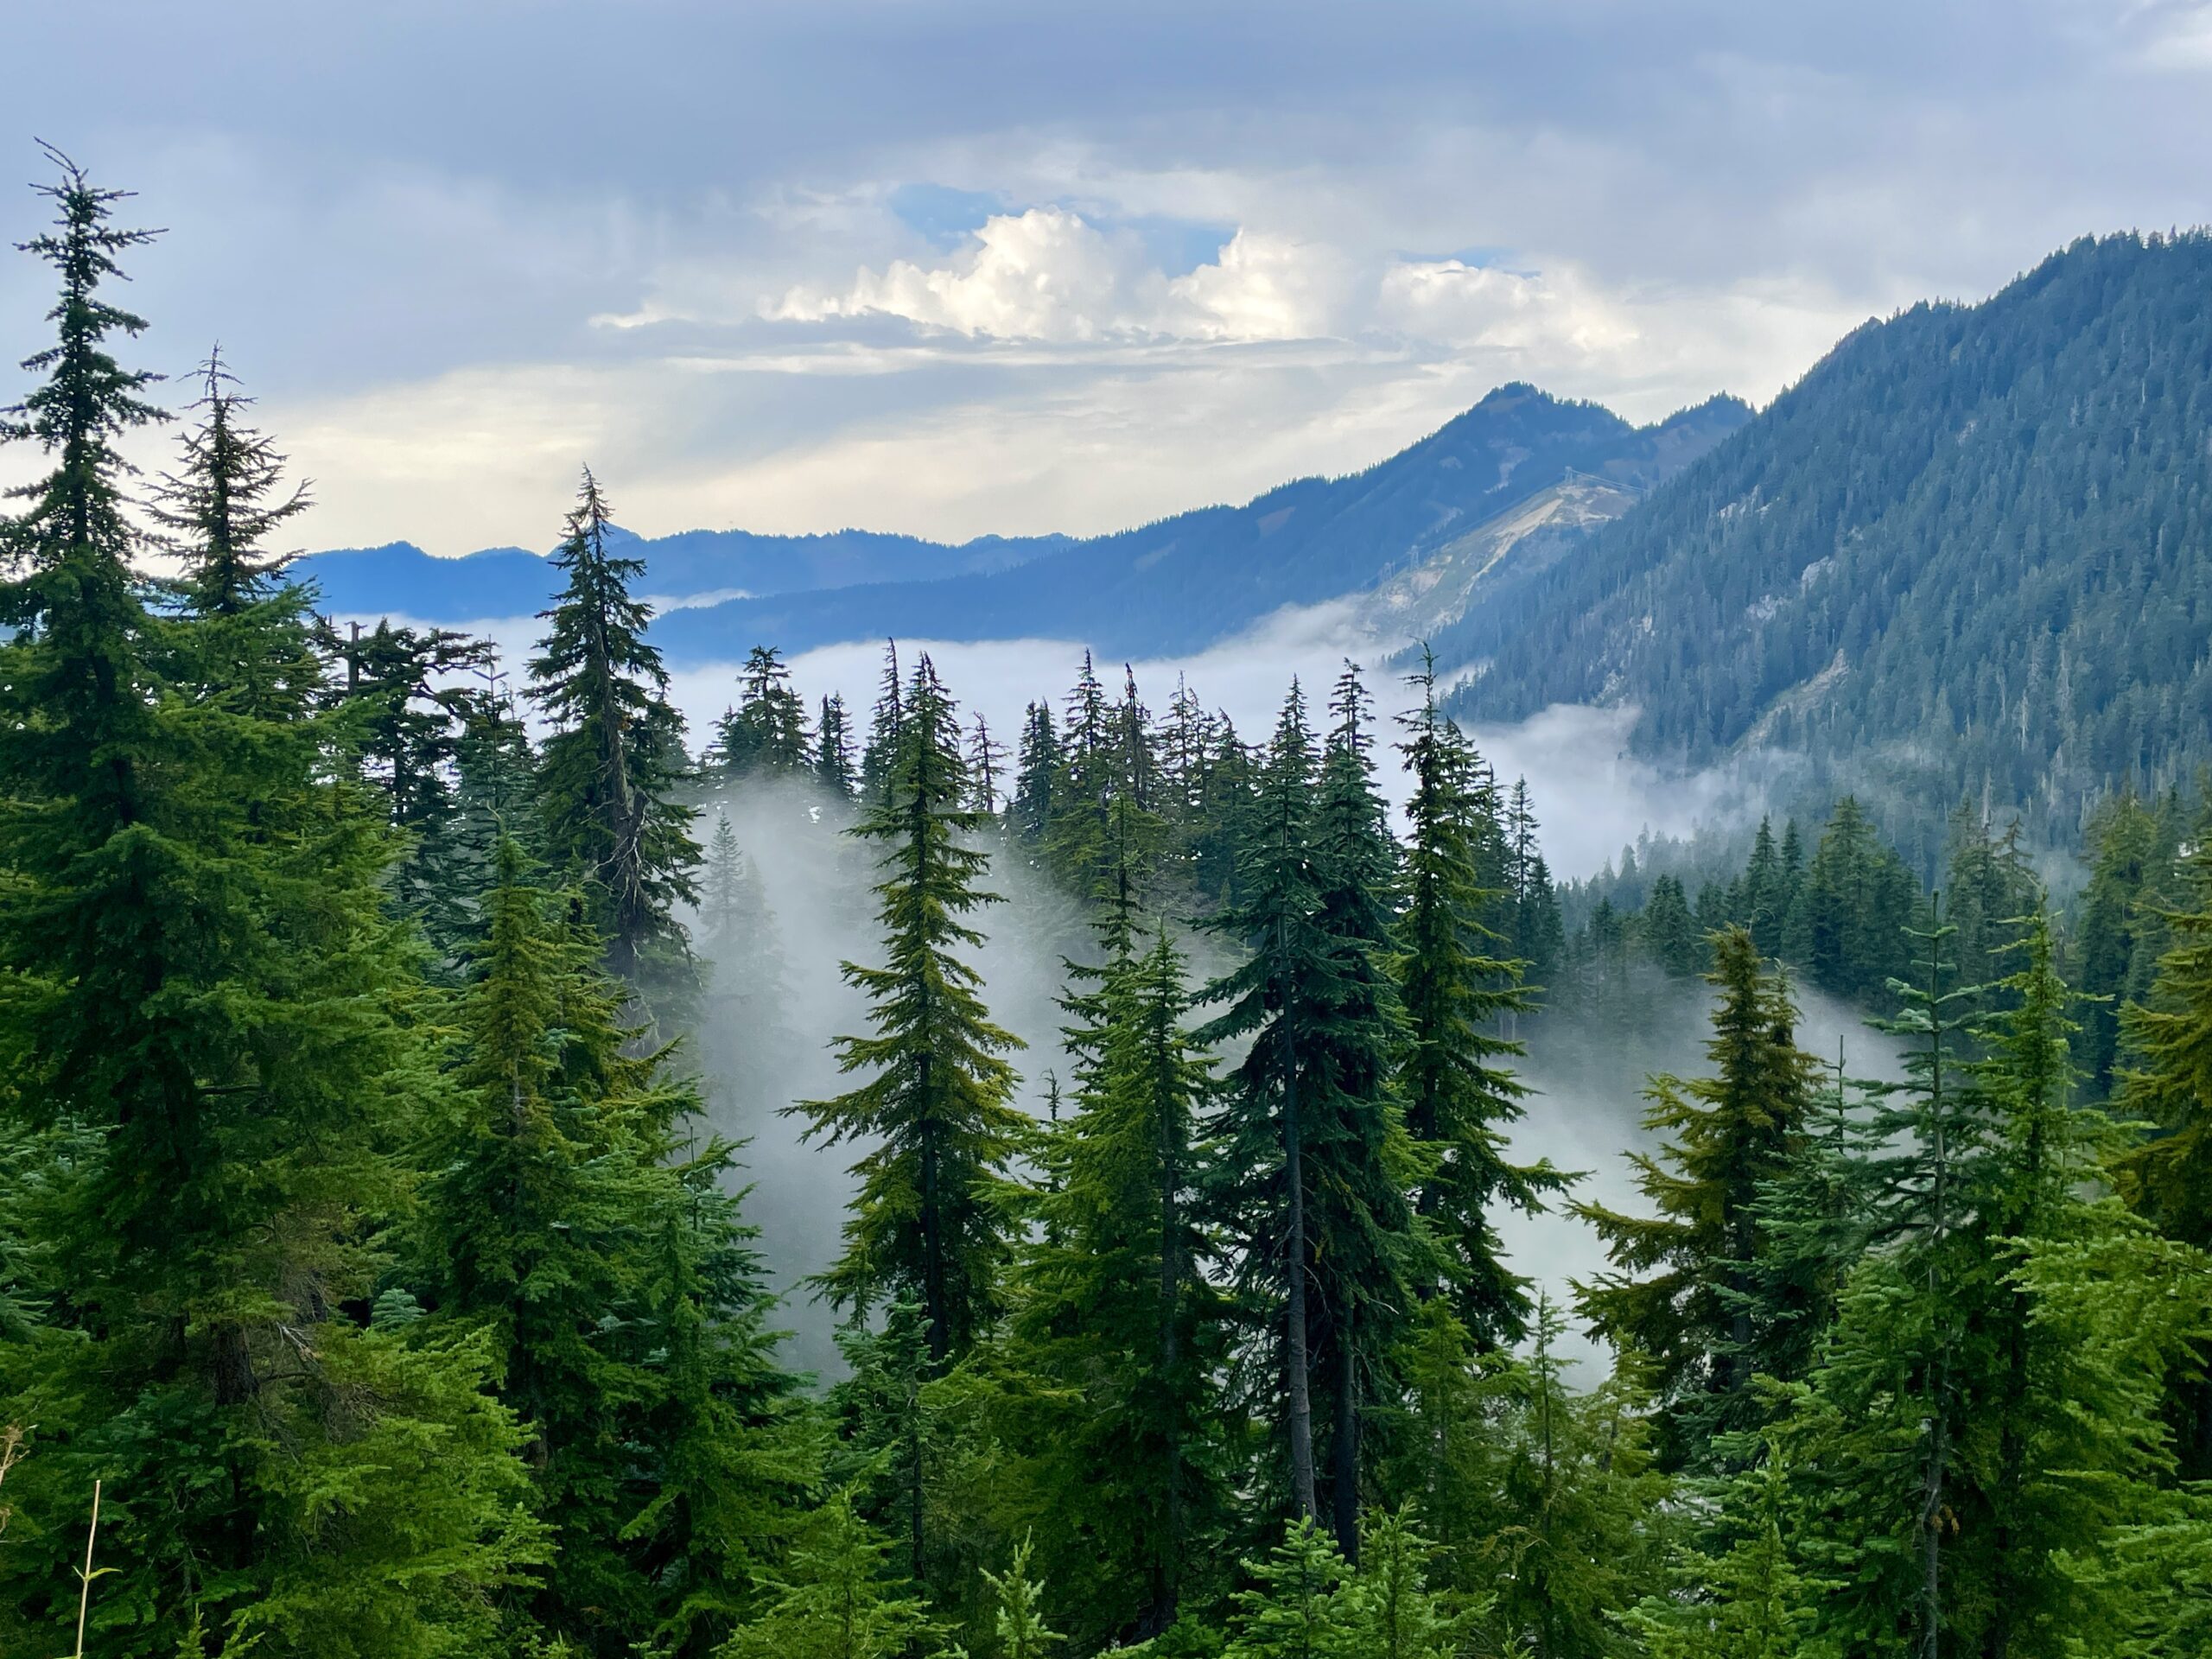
(363, 1251)
(1834, 908)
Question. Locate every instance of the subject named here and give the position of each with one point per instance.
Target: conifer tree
(615, 760)
(1303, 1603)
(1457, 990)
(833, 748)
(1224, 823)
(1670, 931)
(932, 1216)
(1681, 1290)
(1037, 770)
(1585, 1519)
(748, 1044)
(1406, 1619)
(205, 1023)
(879, 754)
(1877, 1434)
(1076, 838)
(2132, 850)
(1859, 898)
(2166, 1078)
(1813, 1223)
(256, 650)
(886, 1415)
(1262, 1125)
(1118, 1309)
(1743, 1595)
(1368, 1251)
(567, 1223)
(1020, 1616)
(400, 710)
(837, 1598)
(766, 731)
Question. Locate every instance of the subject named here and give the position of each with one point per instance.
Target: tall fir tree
(206, 1023)
(1459, 989)
(569, 1223)
(932, 1216)
(766, 731)
(1118, 1312)
(1682, 1287)
(613, 762)
(833, 748)
(1263, 1123)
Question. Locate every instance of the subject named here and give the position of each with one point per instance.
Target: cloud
(1103, 241)
(1048, 274)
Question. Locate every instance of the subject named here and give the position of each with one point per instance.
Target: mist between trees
(1168, 1147)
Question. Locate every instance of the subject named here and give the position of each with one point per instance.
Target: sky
(968, 268)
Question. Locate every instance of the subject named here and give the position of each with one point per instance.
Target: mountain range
(1969, 551)
(1175, 585)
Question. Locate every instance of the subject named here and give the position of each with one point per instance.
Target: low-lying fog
(1593, 798)
(1592, 795)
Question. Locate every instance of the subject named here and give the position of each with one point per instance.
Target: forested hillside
(375, 1283)
(1968, 551)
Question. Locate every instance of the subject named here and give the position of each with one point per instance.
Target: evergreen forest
(375, 1282)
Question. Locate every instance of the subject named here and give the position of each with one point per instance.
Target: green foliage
(1116, 1317)
(605, 1262)
(1459, 1100)
(933, 1217)
(1019, 1620)
(206, 1029)
(1683, 1287)
(766, 731)
(611, 765)
(1303, 1603)
(838, 1600)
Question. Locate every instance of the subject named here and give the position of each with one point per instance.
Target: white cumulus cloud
(1049, 274)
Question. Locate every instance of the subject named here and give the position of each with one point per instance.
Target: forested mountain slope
(1971, 541)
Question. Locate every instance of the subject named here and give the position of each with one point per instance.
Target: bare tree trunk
(1300, 1379)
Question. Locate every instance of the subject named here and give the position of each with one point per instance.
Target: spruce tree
(1584, 1524)
(1458, 988)
(1859, 897)
(879, 754)
(256, 648)
(833, 748)
(400, 711)
(1369, 1253)
(766, 731)
(1303, 1603)
(1743, 1595)
(1876, 1434)
(1117, 1311)
(2165, 1078)
(1262, 1124)
(614, 762)
(569, 1223)
(206, 1025)
(931, 1217)
(837, 1599)
(1682, 1287)
(1019, 1615)
(1037, 770)
(1670, 931)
